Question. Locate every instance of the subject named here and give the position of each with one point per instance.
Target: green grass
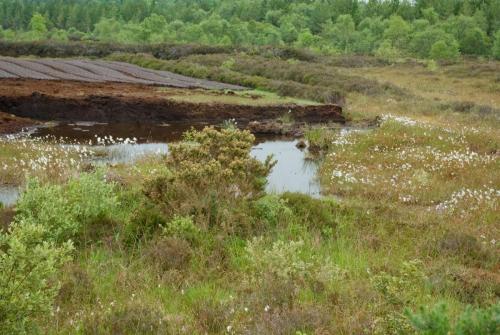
(399, 234)
(246, 98)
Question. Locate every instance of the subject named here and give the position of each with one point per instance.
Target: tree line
(437, 29)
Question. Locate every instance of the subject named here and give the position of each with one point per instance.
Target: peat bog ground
(189, 239)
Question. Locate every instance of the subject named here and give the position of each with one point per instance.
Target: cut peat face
(101, 91)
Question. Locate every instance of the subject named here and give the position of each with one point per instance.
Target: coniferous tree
(412, 28)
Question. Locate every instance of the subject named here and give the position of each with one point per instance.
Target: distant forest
(437, 29)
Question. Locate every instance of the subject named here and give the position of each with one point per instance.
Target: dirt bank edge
(38, 105)
(10, 124)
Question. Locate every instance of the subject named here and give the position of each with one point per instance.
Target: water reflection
(144, 132)
(128, 153)
(8, 195)
(292, 173)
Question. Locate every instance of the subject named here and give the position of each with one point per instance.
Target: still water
(8, 195)
(292, 173)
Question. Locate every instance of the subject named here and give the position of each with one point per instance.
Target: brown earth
(63, 100)
(277, 127)
(100, 71)
(10, 124)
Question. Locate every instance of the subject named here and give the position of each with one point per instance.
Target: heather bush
(314, 213)
(465, 247)
(28, 276)
(168, 253)
(400, 288)
(247, 76)
(77, 286)
(46, 48)
(143, 222)
(397, 291)
(211, 316)
(303, 319)
(128, 319)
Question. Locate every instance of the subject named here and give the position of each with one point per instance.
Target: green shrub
(475, 42)
(317, 213)
(479, 321)
(28, 270)
(182, 227)
(432, 65)
(435, 321)
(210, 171)
(401, 288)
(441, 50)
(47, 205)
(318, 138)
(229, 124)
(496, 46)
(67, 210)
(290, 263)
(228, 64)
(398, 291)
(284, 260)
(387, 52)
(211, 159)
(271, 208)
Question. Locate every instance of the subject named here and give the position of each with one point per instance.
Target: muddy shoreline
(10, 124)
(120, 102)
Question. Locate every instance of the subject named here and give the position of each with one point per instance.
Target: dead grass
(439, 85)
(246, 98)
